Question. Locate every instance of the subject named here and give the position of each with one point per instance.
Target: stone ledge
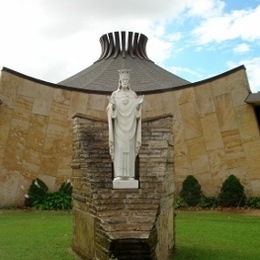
(129, 234)
(150, 119)
(91, 118)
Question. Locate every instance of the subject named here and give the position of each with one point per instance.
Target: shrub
(180, 203)
(232, 193)
(208, 202)
(53, 201)
(66, 188)
(191, 191)
(36, 191)
(253, 202)
(39, 197)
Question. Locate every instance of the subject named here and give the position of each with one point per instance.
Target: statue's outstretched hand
(140, 100)
(112, 101)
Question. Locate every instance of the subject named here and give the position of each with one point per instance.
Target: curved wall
(215, 132)
(36, 133)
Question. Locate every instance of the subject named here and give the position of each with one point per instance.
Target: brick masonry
(123, 224)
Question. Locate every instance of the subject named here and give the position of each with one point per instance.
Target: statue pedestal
(123, 218)
(125, 183)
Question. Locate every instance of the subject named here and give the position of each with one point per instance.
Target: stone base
(130, 183)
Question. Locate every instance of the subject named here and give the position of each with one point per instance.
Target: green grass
(35, 235)
(199, 235)
(227, 236)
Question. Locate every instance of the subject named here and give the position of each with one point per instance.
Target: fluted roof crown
(121, 50)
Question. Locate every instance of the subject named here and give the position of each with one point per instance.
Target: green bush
(191, 191)
(53, 201)
(253, 202)
(39, 197)
(66, 188)
(208, 202)
(36, 191)
(232, 193)
(180, 203)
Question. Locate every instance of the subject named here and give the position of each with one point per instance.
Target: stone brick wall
(215, 132)
(36, 133)
(135, 222)
(35, 137)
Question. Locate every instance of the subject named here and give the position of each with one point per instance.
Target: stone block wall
(132, 223)
(215, 132)
(35, 137)
(36, 133)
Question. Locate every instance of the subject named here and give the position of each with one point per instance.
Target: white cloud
(241, 48)
(237, 24)
(182, 70)
(204, 8)
(174, 36)
(158, 50)
(252, 69)
(52, 40)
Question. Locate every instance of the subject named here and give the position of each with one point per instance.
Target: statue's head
(124, 78)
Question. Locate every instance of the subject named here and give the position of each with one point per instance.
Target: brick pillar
(123, 224)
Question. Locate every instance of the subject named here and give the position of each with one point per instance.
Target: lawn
(199, 235)
(217, 236)
(38, 235)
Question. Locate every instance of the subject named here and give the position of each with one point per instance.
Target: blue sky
(54, 39)
(219, 42)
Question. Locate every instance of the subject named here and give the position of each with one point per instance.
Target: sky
(52, 40)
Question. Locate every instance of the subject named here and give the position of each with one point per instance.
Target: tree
(191, 191)
(232, 193)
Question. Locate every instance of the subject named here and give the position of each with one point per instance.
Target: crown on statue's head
(124, 73)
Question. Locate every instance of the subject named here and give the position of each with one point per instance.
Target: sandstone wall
(36, 133)
(216, 134)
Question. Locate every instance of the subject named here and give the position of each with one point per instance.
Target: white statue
(124, 120)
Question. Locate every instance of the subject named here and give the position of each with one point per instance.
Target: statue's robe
(124, 132)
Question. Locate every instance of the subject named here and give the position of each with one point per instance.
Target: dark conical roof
(121, 53)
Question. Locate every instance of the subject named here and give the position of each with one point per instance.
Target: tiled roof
(121, 53)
